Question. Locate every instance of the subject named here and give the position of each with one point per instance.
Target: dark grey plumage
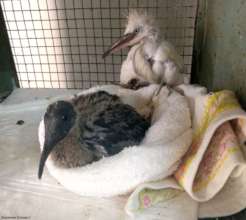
(88, 127)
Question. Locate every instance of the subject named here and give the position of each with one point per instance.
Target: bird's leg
(179, 90)
(135, 84)
(132, 83)
(159, 89)
(163, 83)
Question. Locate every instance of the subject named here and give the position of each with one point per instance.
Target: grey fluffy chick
(89, 127)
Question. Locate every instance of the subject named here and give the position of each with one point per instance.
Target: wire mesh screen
(59, 43)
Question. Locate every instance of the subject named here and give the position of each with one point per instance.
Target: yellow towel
(210, 180)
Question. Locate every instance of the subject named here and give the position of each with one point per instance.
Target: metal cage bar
(59, 43)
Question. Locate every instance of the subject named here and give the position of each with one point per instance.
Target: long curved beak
(121, 43)
(48, 146)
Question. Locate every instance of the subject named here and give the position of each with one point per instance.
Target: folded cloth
(155, 158)
(210, 180)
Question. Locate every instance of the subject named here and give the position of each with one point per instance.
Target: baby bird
(150, 58)
(89, 127)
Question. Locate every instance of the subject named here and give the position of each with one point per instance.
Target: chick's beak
(121, 43)
(48, 146)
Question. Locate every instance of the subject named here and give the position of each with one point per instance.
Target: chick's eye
(64, 118)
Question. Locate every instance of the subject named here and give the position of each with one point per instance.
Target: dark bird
(88, 127)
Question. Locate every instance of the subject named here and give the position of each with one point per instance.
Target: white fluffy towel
(210, 180)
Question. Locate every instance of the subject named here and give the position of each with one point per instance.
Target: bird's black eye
(137, 30)
(64, 118)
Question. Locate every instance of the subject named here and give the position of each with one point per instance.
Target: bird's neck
(63, 152)
(69, 153)
(150, 46)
